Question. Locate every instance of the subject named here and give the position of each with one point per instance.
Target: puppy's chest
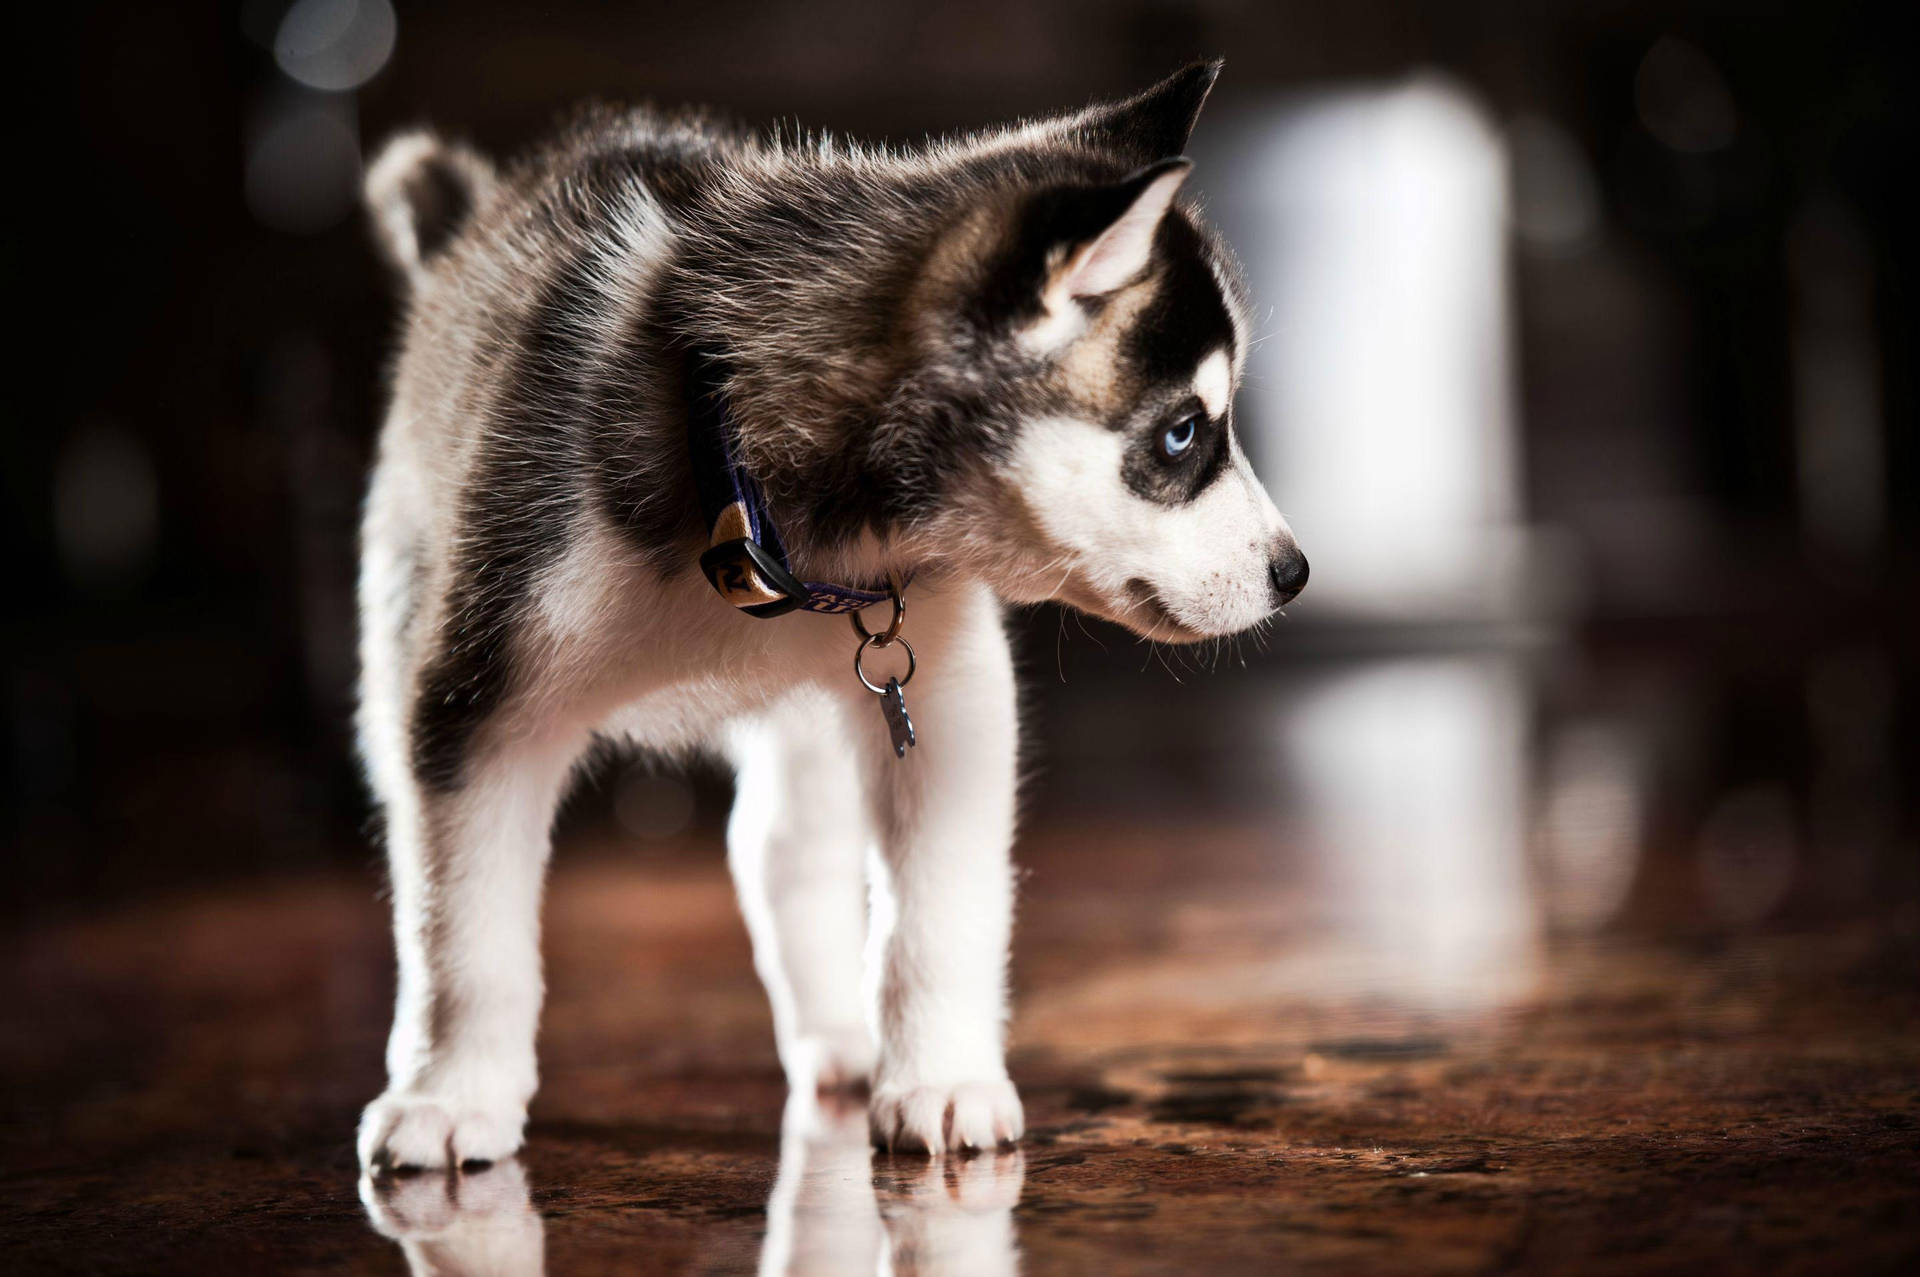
(669, 650)
(677, 697)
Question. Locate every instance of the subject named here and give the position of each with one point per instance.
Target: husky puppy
(998, 369)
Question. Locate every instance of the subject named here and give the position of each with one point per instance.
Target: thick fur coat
(1000, 366)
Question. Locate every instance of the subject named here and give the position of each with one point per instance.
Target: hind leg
(797, 843)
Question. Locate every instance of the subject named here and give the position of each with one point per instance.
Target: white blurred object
(334, 45)
(1380, 406)
(1413, 779)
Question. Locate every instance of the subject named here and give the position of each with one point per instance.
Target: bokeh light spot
(335, 45)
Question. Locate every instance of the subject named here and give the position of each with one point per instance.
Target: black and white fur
(1002, 363)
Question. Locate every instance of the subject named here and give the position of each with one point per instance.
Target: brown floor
(1216, 1080)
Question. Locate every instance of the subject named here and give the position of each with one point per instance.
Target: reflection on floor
(1205, 1087)
(1439, 990)
(831, 1210)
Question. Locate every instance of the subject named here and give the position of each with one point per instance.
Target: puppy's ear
(421, 191)
(1154, 124)
(1071, 242)
(1121, 249)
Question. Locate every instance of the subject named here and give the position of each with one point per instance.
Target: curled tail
(421, 190)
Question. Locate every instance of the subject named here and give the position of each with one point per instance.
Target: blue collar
(745, 560)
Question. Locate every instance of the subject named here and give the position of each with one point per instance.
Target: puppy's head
(1110, 321)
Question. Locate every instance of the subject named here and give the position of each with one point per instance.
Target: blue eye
(1178, 437)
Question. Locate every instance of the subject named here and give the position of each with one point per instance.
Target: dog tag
(893, 708)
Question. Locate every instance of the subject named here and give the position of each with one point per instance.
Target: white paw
(965, 1116)
(829, 1060)
(413, 1131)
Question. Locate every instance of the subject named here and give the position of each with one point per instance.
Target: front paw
(962, 1117)
(415, 1131)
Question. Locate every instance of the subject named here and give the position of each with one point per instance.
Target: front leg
(467, 866)
(945, 818)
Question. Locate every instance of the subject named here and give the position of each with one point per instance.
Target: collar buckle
(752, 578)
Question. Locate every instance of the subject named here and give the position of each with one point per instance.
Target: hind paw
(830, 1061)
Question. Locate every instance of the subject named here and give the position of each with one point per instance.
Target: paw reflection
(460, 1225)
(953, 1215)
(836, 1208)
(821, 1217)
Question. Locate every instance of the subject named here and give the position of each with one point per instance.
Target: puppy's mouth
(1149, 617)
(1137, 608)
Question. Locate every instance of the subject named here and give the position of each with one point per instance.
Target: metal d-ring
(879, 640)
(892, 631)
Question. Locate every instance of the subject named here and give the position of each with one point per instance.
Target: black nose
(1289, 576)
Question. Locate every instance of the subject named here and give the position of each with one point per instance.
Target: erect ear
(422, 191)
(1125, 217)
(1151, 125)
(1074, 241)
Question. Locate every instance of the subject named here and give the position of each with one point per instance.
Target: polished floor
(1215, 1082)
(1423, 964)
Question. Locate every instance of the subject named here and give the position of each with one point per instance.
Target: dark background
(199, 381)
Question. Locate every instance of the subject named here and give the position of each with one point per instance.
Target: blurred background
(1585, 378)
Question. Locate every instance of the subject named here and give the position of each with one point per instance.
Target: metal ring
(892, 631)
(874, 640)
